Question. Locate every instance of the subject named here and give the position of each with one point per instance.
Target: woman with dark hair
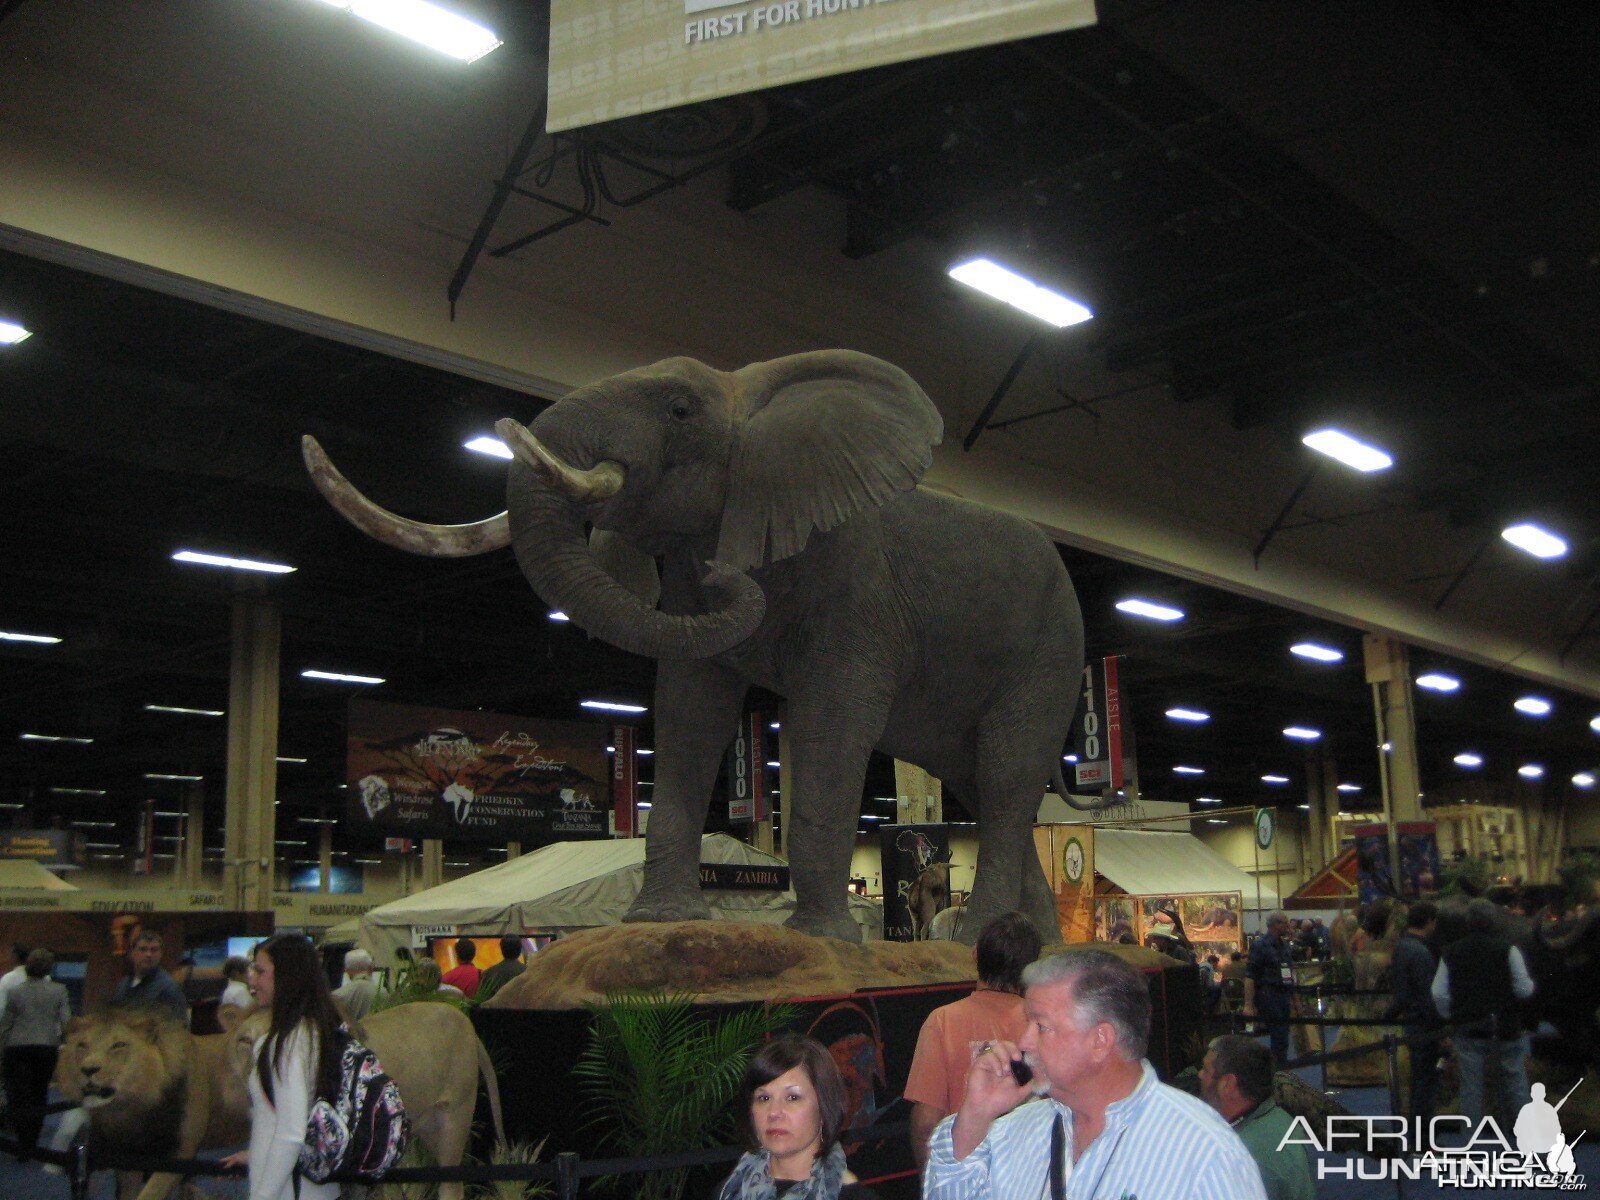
(795, 1101)
(295, 1062)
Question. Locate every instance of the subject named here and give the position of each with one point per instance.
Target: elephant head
(738, 466)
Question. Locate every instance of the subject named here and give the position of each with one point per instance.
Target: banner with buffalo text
(620, 58)
(475, 776)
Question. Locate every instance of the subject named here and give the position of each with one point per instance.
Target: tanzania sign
(475, 776)
(620, 58)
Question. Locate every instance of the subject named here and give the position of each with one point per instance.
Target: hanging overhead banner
(624, 782)
(747, 774)
(620, 58)
(474, 776)
(1097, 729)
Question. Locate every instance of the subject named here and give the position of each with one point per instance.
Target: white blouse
(278, 1129)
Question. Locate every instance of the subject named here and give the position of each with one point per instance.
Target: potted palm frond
(661, 1078)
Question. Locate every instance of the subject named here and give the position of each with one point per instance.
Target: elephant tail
(1073, 801)
(491, 1084)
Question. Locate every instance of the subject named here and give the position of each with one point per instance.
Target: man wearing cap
(1269, 983)
(1236, 1080)
(1105, 1127)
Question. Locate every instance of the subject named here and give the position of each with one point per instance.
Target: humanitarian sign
(475, 776)
(620, 58)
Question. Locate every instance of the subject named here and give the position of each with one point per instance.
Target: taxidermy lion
(434, 1057)
(152, 1088)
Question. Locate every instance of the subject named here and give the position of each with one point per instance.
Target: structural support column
(432, 862)
(252, 783)
(192, 848)
(1389, 672)
(919, 797)
(513, 850)
(1322, 794)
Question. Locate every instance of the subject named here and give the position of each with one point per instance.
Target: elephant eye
(680, 409)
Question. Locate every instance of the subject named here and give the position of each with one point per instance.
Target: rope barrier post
(1391, 1046)
(78, 1172)
(567, 1175)
(1322, 1011)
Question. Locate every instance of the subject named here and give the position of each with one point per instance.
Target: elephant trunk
(547, 536)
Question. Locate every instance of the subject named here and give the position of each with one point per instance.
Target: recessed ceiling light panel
(1436, 682)
(233, 564)
(1149, 608)
(492, 446)
(1533, 706)
(38, 639)
(426, 24)
(1531, 539)
(612, 706)
(339, 676)
(1275, 780)
(1302, 733)
(1188, 770)
(1468, 760)
(1193, 715)
(990, 278)
(1337, 444)
(11, 333)
(1531, 771)
(1317, 652)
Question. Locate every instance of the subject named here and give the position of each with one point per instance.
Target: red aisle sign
(1097, 731)
(624, 782)
(747, 772)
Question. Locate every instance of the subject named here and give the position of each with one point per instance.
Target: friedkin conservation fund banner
(475, 776)
(619, 58)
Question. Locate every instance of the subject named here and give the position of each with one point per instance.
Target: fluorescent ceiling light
(1069, 758)
(992, 279)
(187, 712)
(428, 24)
(51, 737)
(642, 804)
(1188, 770)
(1435, 682)
(1594, 724)
(1187, 714)
(612, 706)
(94, 824)
(1534, 706)
(284, 758)
(774, 725)
(179, 778)
(71, 791)
(318, 820)
(1215, 821)
(233, 564)
(643, 752)
(1341, 446)
(1349, 787)
(1303, 807)
(1207, 800)
(1584, 779)
(1531, 539)
(1275, 779)
(873, 817)
(1531, 771)
(41, 639)
(172, 816)
(11, 333)
(557, 615)
(1148, 608)
(1301, 733)
(492, 446)
(774, 763)
(1319, 653)
(1469, 760)
(339, 676)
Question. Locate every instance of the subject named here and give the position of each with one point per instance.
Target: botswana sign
(475, 776)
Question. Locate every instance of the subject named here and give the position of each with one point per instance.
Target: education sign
(620, 58)
(475, 776)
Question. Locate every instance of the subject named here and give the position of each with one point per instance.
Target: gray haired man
(1102, 1124)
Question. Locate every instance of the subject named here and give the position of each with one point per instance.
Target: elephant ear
(627, 565)
(825, 436)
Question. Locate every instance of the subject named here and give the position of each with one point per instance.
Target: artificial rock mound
(722, 961)
(731, 961)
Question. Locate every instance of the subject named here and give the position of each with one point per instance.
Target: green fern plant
(661, 1078)
(520, 1153)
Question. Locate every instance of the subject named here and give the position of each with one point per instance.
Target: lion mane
(151, 1088)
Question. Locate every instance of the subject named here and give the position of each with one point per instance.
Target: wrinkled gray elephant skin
(797, 554)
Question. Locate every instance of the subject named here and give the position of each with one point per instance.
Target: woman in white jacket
(295, 1062)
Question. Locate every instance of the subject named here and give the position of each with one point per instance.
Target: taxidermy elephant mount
(797, 553)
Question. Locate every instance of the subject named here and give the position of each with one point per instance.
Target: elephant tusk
(418, 537)
(599, 482)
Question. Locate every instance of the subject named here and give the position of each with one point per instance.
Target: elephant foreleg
(697, 712)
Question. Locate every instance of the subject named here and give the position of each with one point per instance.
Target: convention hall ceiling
(1382, 222)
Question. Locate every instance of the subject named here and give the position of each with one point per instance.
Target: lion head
(243, 1034)
(127, 1056)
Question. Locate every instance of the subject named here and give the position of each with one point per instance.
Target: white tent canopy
(569, 886)
(1149, 863)
(25, 873)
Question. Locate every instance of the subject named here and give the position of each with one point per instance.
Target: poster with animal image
(916, 878)
(1116, 918)
(1208, 922)
(474, 776)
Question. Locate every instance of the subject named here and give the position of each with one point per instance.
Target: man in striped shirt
(1104, 1128)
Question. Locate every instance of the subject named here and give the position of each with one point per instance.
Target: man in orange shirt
(993, 1012)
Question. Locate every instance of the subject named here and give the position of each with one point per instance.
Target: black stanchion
(567, 1175)
(78, 1172)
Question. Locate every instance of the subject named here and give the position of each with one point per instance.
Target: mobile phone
(1021, 1072)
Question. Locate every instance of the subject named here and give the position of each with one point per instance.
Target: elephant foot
(669, 908)
(823, 925)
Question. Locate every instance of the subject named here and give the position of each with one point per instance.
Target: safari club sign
(620, 58)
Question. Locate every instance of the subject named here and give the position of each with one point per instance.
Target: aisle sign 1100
(1097, 731)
